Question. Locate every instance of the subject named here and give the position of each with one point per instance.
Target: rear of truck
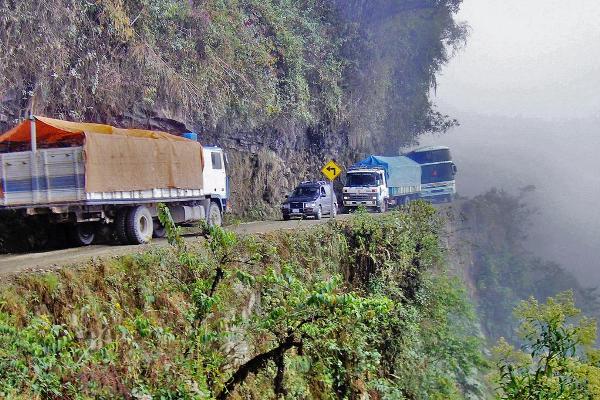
(89, 177)
(404, 179)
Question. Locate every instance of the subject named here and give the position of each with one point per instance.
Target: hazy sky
(527, 57)
(526, 89)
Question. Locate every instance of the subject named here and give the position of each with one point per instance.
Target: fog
(525, 89)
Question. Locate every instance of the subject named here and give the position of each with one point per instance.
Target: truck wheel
(82, 234)
(159, 230)
(214, 214)
(319, 213)
(121, 225)
(139, 225)
(286, 217)
(382, 208)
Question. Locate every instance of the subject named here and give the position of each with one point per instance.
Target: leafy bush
(344, 310)
(557, 360)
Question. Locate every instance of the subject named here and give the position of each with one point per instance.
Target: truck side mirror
(454, 168)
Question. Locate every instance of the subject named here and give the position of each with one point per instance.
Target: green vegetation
(346, 310)
(226, 65)
(558, 361)
(504, 272)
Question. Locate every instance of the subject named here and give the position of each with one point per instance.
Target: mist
(525, 92)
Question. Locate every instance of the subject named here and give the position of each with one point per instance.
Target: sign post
(331, 171)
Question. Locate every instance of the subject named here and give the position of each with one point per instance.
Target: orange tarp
(51, 130)
(119, 159)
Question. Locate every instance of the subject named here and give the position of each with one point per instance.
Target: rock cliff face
(282, 87)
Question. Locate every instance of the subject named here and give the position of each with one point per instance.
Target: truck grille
(296, 205)
(361, 197)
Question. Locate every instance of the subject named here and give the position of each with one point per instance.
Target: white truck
(89, 177)
(379, 182)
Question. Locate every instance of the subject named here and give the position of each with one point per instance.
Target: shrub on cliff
(343, 310)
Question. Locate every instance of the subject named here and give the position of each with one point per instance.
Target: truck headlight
(346, 197)
(374, 197)
(311, 205)
(285, 206)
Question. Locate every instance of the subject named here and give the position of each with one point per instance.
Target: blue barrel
(191, 135)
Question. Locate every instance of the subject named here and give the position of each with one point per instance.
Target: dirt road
(15, 263)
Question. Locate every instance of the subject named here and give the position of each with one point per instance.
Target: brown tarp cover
(120, 159)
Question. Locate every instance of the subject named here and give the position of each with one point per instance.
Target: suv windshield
(363, 179)
(306, 191)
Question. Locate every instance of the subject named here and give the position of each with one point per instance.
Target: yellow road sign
(331, 170)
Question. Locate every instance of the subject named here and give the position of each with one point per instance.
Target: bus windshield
(363, 179)
(437, 173)
(430, 156)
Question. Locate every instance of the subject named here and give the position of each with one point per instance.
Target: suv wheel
(319, 213)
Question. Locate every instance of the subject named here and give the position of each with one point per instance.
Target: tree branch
(255, 364)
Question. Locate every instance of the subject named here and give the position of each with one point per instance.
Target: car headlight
(285, 205)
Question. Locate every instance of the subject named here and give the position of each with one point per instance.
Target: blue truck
(378, 182)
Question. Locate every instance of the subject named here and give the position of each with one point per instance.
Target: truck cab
(214, 175)
(366, 186)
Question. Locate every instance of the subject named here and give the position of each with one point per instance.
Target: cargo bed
(57, 176)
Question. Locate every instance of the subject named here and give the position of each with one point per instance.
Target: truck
(90, 177)
(379, 182)
(438, 171)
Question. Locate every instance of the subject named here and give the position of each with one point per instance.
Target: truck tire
(82, 234)
(382, 208)
(159, 230)
(121, 225)
(139, 225)
(214, 215)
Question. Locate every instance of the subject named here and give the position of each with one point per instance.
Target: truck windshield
(437, 173)
(430, 156)
(306, 191)
(362, 179)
